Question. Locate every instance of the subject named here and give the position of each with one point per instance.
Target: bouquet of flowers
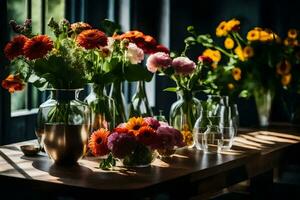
(42, 61)
(222, 74)
(135, 142)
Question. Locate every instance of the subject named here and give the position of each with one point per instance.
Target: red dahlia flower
(91, 39)
(14, 48)
(147, 136)
(37, 47)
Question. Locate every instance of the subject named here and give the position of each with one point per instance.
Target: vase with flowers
(131, 48)
(239, 68)
(135, 142)
(186, 75)
(58, 64)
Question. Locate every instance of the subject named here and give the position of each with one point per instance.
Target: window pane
(16, 12)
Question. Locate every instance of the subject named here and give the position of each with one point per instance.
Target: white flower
(134, 54)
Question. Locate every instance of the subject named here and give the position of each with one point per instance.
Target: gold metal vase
(64, 124)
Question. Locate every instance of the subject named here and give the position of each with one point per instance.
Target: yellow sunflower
(221, 29)
(253, 35)
(232, 25)
(239, 52)
(264, 36)
(248, 52)
(229, 43)
(236, 73)
(215, 55)
(292, 33)
(286, 79)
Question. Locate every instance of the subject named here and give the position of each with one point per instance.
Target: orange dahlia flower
(37, 47)
(145, 42)
(14, 48)
(134, 124)
(13, 83)
(98, 142)
(147, 135)
(91, 39)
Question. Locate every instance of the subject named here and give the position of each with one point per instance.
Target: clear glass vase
(64, 124)
(263, 99)
(117, 95)
(201, 126)
(183, 115)
(102, 108)
(139, 105)
(142, 156)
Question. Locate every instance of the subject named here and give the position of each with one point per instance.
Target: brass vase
(64, 122)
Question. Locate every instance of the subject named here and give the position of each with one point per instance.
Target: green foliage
(108, 163)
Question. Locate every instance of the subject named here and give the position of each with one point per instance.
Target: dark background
(166, 20)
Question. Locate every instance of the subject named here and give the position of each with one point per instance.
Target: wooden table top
(190, 164)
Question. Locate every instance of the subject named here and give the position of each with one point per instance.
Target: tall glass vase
(139, 105)
(117, 95)
(263, 99)
(184, 113)
(64, 124)
(102, 108)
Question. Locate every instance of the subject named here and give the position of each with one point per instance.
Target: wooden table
(188, 174)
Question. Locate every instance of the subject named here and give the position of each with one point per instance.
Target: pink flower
(121, 144)
(158, 60)
(169, 137)
(135, 54)
(183, 65)
(153, 123)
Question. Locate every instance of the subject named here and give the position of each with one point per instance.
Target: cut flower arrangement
(135, 142)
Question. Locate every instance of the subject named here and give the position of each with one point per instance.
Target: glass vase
(64, 123)
(183, 115)
(102, 108)
(263, 99)
(139, 105)
(117, 95)
(201, 126)
(142, 156)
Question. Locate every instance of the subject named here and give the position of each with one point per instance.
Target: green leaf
(137, 72)
(244, 94)
(108, 163)
(171, 89)
(110, 27)
(205, 40)
(190, 40)
(191, 29)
